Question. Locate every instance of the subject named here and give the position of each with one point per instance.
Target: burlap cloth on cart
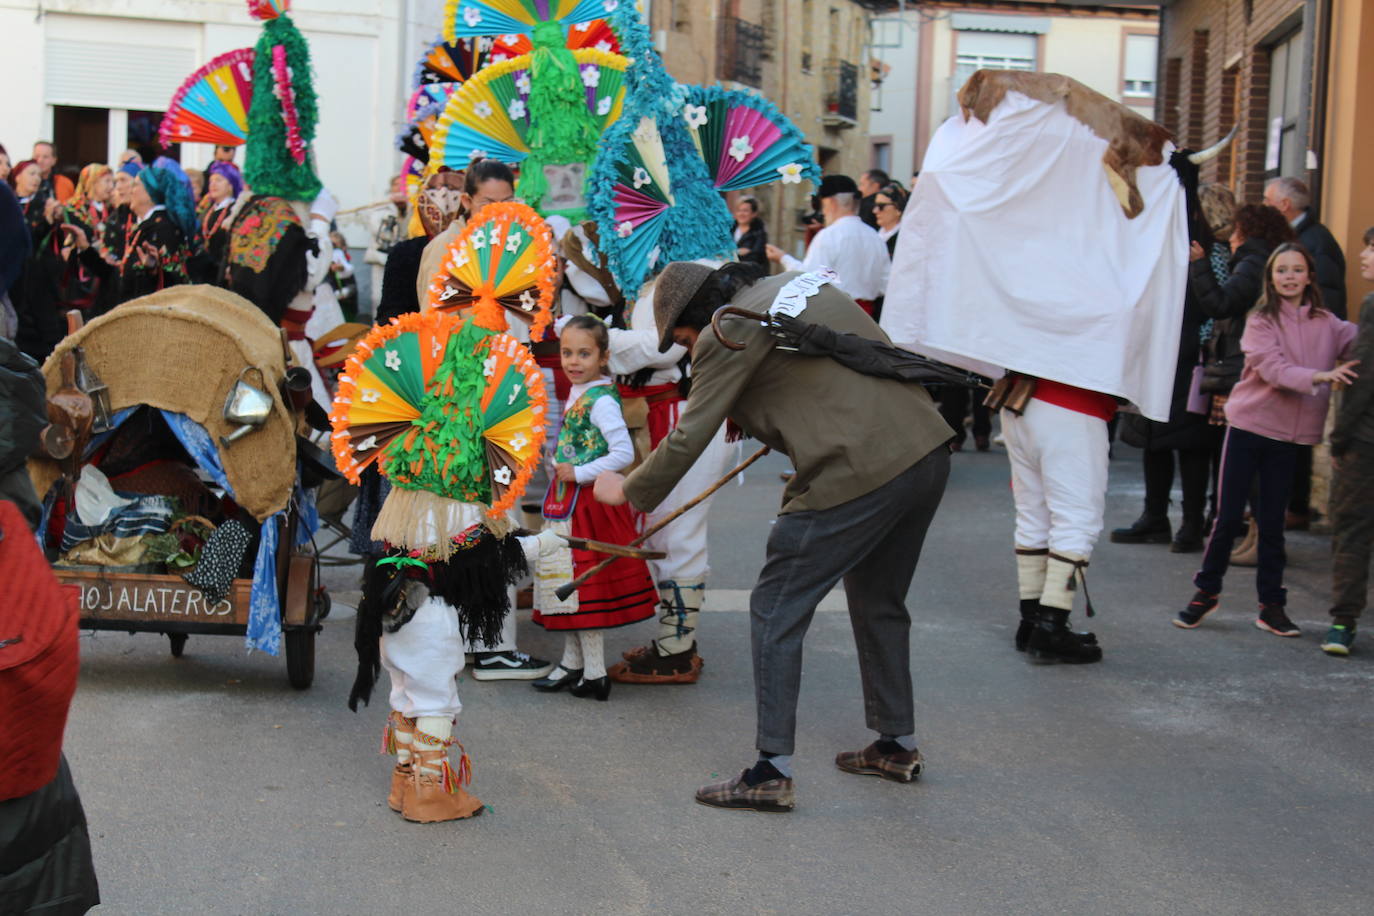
(182, 349)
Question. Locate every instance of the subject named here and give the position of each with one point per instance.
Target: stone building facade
(809, 57)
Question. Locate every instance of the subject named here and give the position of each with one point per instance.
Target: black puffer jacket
(1241, 291)
(45, 851)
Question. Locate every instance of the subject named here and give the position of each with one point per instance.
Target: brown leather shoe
(435, 793)
(643, 665)
(396, 726)
(773, 796)
(900, 767)
(400, 781)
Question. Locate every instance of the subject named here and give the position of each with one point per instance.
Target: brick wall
(1210, 47)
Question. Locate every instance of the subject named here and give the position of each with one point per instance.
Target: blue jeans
(1245, 456)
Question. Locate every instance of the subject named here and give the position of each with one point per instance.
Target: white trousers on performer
(1058, 477)
(684, 540)
(424, 658)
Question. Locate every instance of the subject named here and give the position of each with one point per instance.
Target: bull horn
(1211, 152)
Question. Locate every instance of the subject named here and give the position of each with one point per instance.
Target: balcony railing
(741, 52)
(841, 94)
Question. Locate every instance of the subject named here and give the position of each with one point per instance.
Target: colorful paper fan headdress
(429, 94)
(468, 18)
(268, 9)
(452, 61)
(745, 140)
(651, 210)
(490, 113)
(503, 260)
(212, 105)
(414, 139)
(443, 406)
(594, 33)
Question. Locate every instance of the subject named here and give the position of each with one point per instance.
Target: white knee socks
(1061, 575)
(572, 652)
(593, 654)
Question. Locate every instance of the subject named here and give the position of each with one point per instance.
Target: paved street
(1216, 771)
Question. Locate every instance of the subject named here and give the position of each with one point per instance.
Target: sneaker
(1201, 605)
(775, 796)
(508, 666)
(1338, 640)
(1273, 618)
(899, 765)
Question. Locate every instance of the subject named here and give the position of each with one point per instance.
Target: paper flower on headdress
(745, 141)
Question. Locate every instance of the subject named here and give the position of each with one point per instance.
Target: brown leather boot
(436, 792)
(397, 738)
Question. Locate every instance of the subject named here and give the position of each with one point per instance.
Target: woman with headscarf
(121, 222)
(157, 248)
(35, 295)
(215, 216)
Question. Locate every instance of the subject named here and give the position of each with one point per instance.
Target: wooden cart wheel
(300, 657)
(178, 641)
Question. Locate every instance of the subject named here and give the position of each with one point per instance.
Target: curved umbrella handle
(732, 310)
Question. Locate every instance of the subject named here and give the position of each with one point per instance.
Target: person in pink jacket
(1294, 349)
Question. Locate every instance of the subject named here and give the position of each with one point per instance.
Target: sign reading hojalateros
(123, 596)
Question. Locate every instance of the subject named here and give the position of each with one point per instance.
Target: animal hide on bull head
(1132, 141)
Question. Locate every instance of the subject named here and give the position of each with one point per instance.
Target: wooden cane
(563, 591)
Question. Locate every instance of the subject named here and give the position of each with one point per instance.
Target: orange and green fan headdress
(441, 405)
(502, 261)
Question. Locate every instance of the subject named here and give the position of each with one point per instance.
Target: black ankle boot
(1052, 642)
(1030, 609)
(1190, 536)
(1150, 528)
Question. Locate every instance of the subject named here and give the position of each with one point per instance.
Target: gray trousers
(873, 543)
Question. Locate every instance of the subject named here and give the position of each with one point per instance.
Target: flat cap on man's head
(673, 289)
(836, 184)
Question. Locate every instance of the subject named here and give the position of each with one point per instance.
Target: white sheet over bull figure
(1015, 254)
(1048, 237)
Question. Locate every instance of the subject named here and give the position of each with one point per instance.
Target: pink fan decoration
(756, 131)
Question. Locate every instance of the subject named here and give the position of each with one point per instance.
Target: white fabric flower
(371, 395)
(482, 109)
(695, 115)
(494, 239)
(591, 76)
(740, 148)
(489, 366)
(518, 442)
(528, 300)
(514, 393)
(641, 177)
(476, 154)
(472, 15)
(513, 242)
(516, 109)
(500, 57)
(478, 240)
(791, 173)
(509, 38)
(624, 229)
(611, 6)
(393, 360)
(502, 475)
(522, 82)
(604, 45)
(435, 348)
(367, 444)
(603, 107)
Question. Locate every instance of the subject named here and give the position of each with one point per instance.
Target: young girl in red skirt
(593, 439)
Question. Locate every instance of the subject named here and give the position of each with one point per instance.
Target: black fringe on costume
(367, 631)
(474, 580)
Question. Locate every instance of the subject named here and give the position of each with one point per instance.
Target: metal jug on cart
(248, 406)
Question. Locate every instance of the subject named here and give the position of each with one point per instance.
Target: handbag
(1199, 401)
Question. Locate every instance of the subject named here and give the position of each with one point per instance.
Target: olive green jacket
(847, 434)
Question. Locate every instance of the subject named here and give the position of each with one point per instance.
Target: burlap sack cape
(182, 349)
